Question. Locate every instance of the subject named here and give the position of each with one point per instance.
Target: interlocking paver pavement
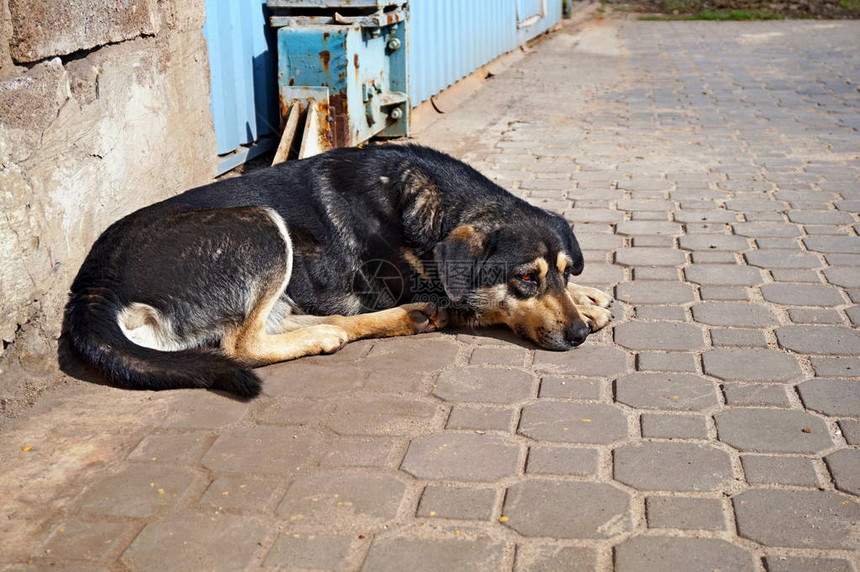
(711, 172)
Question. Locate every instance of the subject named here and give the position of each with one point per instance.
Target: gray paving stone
(554, 558)
(795, 275)
(82, 540)
(713, 257)
(275, 450)
(836, 367)
(171, 448)
(826, 340)
(457, 502)
(404, 356)
(769, 259)
(461, 457)
(803, 564)
(801, 295)
(658, 426)
(772, 431)
(797, 519)
(740, 338)
(356, 452)
(570, 388)
(661, 273)
(850, 429)
(361, 498)
(662, 466)
(369, 415)
(241, 493)
(649, 227)
(194, 541)
(750, 365)
(655, 292)
(399, 553)
(661, 553)
(309, 551)
(498, 356)
(673, 391)
(756, 395)
(573, 422)
(804, 216)
(670, 313)
(724, 293)
(847, 277)
(198, 410)
(584, 361)
(139, 490)
(814, 316)
(757, 229)
(844, 465)
(563, 461)
(715, 216)
(562, 509)
(768, 470)
(649, 257)
(480, 418)
(671, 336)
(484, 384)
(656, 361)
(831, 396)
(831, 244)
(723, 275)
(715, 242)
(734, 314)
(685, 513)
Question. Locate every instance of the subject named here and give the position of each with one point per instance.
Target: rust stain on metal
(355, 61)
(340, 127)
(325, 58)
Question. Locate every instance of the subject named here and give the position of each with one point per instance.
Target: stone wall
(104, 108)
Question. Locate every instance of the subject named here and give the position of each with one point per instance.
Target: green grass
(850, 4)
(721, 15)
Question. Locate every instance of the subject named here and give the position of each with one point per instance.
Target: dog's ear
(458, 260)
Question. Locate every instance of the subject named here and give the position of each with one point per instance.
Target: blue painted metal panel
(242, 63)
(449, 39)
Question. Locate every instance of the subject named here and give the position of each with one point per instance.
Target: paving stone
(662, 466)
(657, 426)
(671, 336)
(675, 313)
(484, 384)
(685, 513)
(820, 217)
(801, 295)
(545, 508)
(831, 396)
(772, 431)
(652, 241)
(497, 356)
(850, 430)
(571, 422)
(361, 498)
(673, 391)
(290, 379)
(309, 551)
(734, 314)
(584, 361)
(457, 502)
(275, 450)
(714, 242)
(563, 461)
(755, 205)
(649, 227)
(295, 412)
(569, 388)
(844, 465)
(241, 493)
(836, 367)
(555, 558)
(827, 340)
(410, 355)
(795, 275)
(797, 518)
(81, 540)
(723, 275)
(661, 553)
(803, 564)
(661, 273)
(397, 553)
(713, 257)
(480, 418)
(356, 452)
(713, 216)
(370, 415)
(655, 361)
(830, 244)
(211, 541)
(654, 292)
(724, 293)
(197, 410)
(769, 259)
(597, 274)
(171, 448)
(139, 490)
(757, 229)
(767, 470)
(649, 257)
(756, 395)
(732, 364)
(846, 277)
(732, 337)
(815, 316)
(778, 244)
(461, 457)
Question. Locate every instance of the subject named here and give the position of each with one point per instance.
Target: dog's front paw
(584, 295)
(427, 317)
(329, 339)
(598, 317)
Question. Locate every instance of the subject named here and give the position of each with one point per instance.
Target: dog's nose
(576, 333)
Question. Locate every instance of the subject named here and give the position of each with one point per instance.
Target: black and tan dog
(303, 257)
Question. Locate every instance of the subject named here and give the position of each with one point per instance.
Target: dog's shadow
(500, 334)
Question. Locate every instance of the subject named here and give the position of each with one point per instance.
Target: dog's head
(515, 272)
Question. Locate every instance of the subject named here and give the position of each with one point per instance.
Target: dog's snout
(576, 333)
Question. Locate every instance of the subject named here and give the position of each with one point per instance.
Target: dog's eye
(530, 278)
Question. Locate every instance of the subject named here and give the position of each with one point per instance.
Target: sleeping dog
(303, 257)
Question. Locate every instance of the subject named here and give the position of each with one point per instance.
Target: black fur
(342, 209)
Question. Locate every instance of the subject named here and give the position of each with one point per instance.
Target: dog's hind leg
(399, 321)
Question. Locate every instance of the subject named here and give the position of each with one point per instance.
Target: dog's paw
(427, 317)
(585, 296)
(597, 317)
(329, 339)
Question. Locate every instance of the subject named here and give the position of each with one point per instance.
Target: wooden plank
(289, 135)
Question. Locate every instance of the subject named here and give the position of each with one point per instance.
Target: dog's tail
(94, 335)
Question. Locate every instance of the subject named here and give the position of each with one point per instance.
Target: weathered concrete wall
(104, 108)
